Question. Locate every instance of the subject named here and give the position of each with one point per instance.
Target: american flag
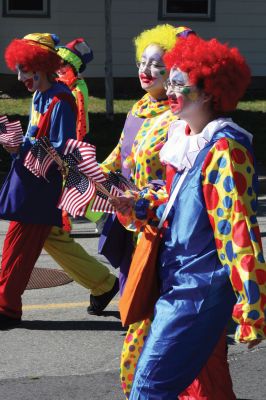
(72, 159)
(101, 202)
(3, 119)
(40, 157)
(121, 182)
(77, 193)
(87, 159)
(11, 133)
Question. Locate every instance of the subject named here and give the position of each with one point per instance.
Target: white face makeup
(179, 77)
(184, 98)
(30, 79)
(152, 71)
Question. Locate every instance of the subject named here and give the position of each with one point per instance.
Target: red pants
(214, 381)
(22, 246)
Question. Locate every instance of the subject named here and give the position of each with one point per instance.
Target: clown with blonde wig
(137, 157)
(211, 263)
(162, 35)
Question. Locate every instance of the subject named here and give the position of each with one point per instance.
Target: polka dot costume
(132, 347)
(80, 92)
(229, 189)
(144, 160)
(145, 166)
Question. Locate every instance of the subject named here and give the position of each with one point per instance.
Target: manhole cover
(47, 277)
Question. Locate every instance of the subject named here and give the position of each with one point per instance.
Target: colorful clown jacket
(144, 134)
(212, 235)
(80, 92)
(23, 196)
(137, 157)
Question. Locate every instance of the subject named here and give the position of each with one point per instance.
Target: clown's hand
(123, 204)
(64, 169)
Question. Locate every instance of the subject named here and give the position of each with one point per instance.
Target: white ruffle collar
(181, 150)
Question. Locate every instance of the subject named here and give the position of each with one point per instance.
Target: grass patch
(96, 105)
(105, 133)
(21, 106)
(255, 105)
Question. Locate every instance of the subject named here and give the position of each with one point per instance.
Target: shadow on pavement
(101, 385)
(230, 341)
(114, 314)
(231, 328)
(72, 325)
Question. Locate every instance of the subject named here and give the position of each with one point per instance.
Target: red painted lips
(146, 79)
(176, 104)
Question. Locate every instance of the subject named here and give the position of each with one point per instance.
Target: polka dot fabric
(229, 189)
(145, 166)
(80, 92)
(144, 159)
(132, 347)
(82, 127)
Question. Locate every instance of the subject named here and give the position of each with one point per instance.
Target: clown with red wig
(211, 263)
(36, 59)
(30, 203)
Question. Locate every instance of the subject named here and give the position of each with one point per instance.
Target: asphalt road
(60, 352)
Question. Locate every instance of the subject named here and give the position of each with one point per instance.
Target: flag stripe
(88, 165)
(11, 133)
(102, 204)
(3, 119)
(74, 202)
(38, 160)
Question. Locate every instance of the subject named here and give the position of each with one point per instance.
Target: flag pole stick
(64, 167)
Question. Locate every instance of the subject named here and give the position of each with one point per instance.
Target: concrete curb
(262, 185)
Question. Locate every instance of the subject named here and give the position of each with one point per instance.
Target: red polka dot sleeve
(228, 188)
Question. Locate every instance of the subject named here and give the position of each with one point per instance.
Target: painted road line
(59, 305)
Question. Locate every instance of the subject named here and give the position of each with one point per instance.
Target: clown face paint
(30, 79)
(67, 75)
(183, 97)
(152, 71)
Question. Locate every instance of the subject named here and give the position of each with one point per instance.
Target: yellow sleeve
(229, 187)
(113, 161)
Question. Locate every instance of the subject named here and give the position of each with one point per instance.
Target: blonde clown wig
(162, 35)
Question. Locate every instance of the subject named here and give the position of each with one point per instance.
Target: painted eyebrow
(152, 59)
(176, 80)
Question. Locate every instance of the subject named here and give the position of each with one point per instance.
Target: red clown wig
(35, 52)
(214, 67)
